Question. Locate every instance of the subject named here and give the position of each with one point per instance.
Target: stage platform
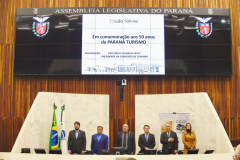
(25, 156)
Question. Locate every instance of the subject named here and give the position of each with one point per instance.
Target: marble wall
(90, 110)
(203, 117)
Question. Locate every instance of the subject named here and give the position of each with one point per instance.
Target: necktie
(124, 139)
(168, 134)
(147, 137)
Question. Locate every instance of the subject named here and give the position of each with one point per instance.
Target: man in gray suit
(169, 140)
(126, 140)
(76, 140)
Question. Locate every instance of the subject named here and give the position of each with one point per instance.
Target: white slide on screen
(129, 44)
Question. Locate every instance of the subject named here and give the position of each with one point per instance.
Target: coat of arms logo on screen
(40, 28)
(35, 10)
(204, 29)
(210, 11)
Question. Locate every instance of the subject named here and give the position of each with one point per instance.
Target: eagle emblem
(204, 29)
(40, 28)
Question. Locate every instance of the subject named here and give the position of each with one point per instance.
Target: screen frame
(92, 10)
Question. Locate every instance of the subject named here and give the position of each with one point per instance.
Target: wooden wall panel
(1, 135)
(7, 131)
(17, 93)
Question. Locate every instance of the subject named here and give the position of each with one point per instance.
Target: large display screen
(108, 41)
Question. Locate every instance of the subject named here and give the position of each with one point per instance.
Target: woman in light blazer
(189, 138)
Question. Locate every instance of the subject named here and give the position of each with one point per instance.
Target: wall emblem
(204, 29)
(40, 28)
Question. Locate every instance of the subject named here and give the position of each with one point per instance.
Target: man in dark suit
(76, 140)
(99, 141)
(126, 140)
(146, 140)
(169, 140)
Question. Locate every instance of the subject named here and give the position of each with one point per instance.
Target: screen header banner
(108, 10)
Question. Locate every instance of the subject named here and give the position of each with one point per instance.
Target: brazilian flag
(54, 132)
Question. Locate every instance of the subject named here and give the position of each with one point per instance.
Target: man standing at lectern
(76, 140)
(146, 140)
(126, 140)
(169, 140)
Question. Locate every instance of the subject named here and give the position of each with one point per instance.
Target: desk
(25, 156)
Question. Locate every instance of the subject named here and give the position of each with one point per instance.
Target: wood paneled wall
(17, 93)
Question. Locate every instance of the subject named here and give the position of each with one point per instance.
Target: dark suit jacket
(102, 144)
(169, 145)
(131, 141)
(142, 143)
(79, 144)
